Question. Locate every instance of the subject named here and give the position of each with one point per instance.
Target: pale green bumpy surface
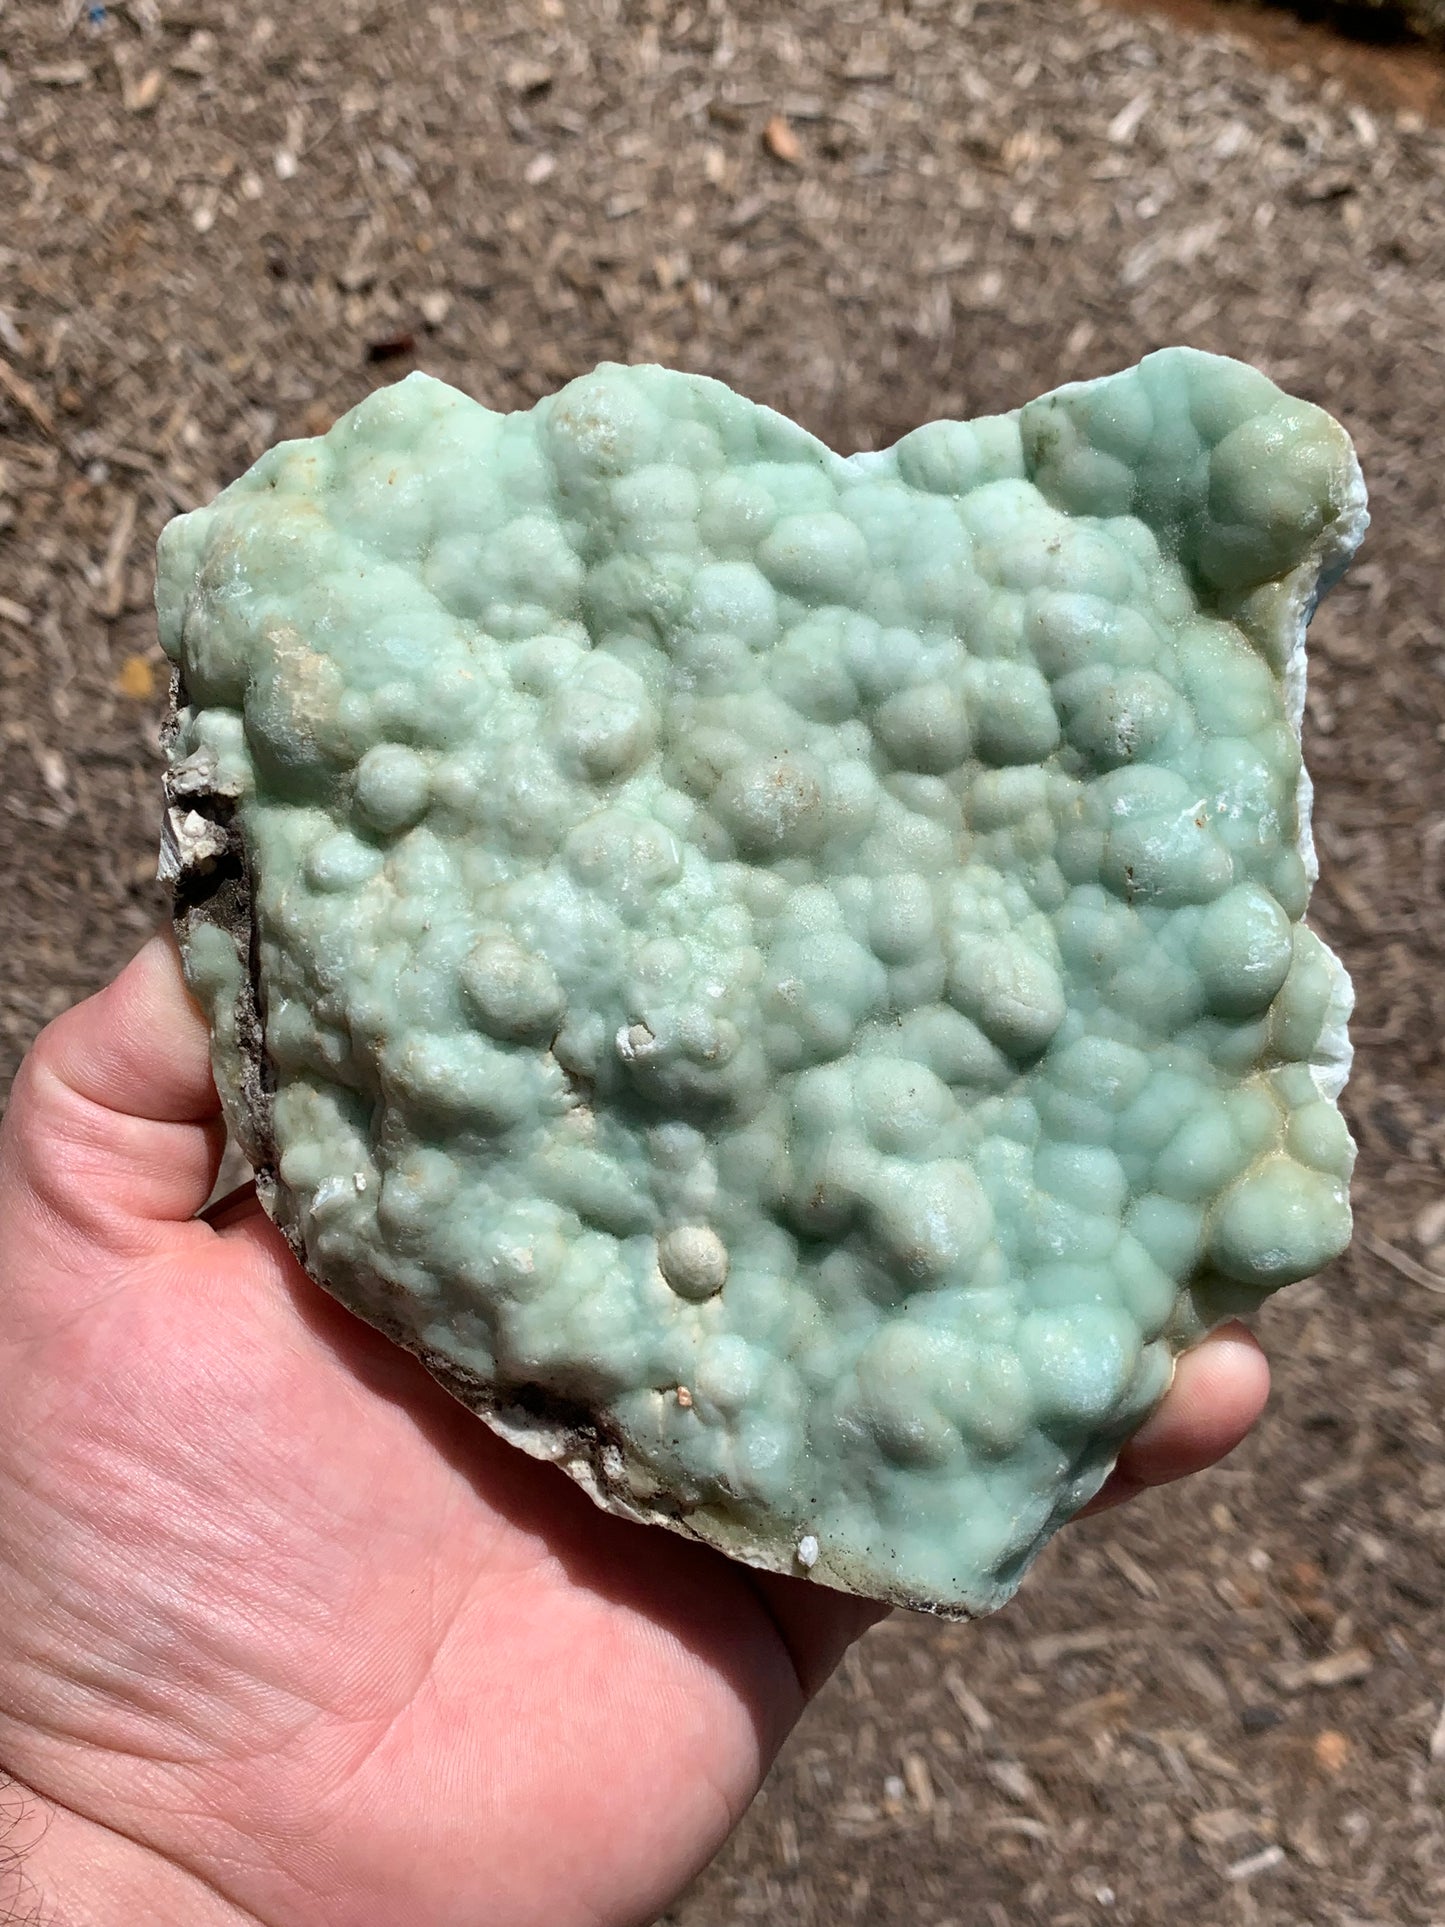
(784, 975)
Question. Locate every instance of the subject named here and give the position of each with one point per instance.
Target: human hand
(289, 1637)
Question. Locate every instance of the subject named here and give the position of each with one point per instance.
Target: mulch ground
(220, 226)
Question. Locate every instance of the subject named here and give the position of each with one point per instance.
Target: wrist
(55, 1865)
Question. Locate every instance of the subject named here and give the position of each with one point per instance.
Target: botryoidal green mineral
(781, 978)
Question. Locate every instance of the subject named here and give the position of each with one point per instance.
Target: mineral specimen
(781, 978)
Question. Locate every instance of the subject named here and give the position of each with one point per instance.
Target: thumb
(114, 1125)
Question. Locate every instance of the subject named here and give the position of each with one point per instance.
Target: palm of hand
(284, 1621)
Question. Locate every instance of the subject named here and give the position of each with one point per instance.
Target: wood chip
(1124, 1562)
(527, 77)
(1012, 1778)
(61, 73)
(54, 771)
(1335, 1669)
(1331, 1750)
(1101, 1711)
(1400, 1261)
(1256, 1863)
(1200, 1753)
(1030, 1829)
(788, 1850)
(24, 396)
(1052, 1647)
(140, 95)
(781, 142)
(869, 63)
(391, 347)
(110, 591)
(919, 1782)
(1332, 184)
(1125, 124)
(971, 1707)
(197, 57)
(1220, 1826)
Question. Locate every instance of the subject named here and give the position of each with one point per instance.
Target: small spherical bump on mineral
(774, 805)
(655, 505)
(341, 864)
(735, 514)
(1107, 1068)
(1166, 859)
(1306, 999)
(1201, 1157)
(998, 798)
(808, 671)
(931, 1217)
(851, 801)
(547, 662)
(901, 921)
(1078, 1360)
(1014, 718)
(1067, 631)
(941, 457)
(1282, 517)
(414, 1192)
(735, 597)
(924, 728)
(1288, 879)
(1012, 992)
(512, 992)
(1244, 951)
(1318, 1136)
(599, 426)
(895, 1379)
(820, 556)
(601, 726)
(630, 856)
(902, 1106)
(1170, 1231)
(729, 1372)
(1282, 1221)
(1123, 718)
(1144, 1288)
(392, 788)
(1087, 1175)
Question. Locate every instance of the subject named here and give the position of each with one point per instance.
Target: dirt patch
(224, 226)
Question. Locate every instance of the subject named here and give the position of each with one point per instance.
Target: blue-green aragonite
(781, 977)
